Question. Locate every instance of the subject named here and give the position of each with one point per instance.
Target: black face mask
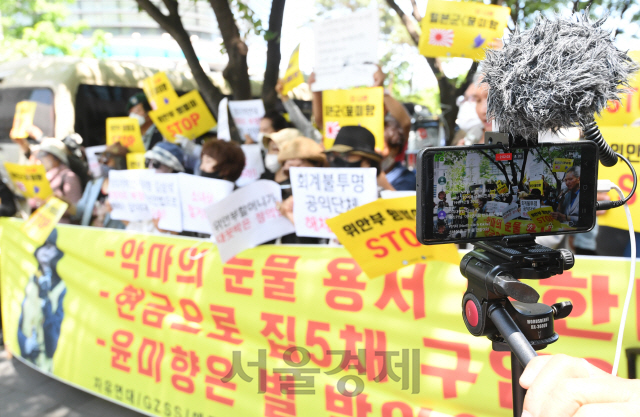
(213, 175)
(338, 162)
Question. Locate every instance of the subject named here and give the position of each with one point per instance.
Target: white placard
(246, 115)
(495, 207)
(396, 194)
(512, 212)
(223, 121)
(322, 193)
(163, 199)
(528, 205)
(253, 166)
(126, 196)
(346, 51)
(196, 193)
(247, 218)
(92, 159)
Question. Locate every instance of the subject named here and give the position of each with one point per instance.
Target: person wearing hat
(272, 142)
(138, 108)
(93, 209)
(165, 157)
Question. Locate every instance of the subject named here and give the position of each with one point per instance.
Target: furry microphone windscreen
(556, 75)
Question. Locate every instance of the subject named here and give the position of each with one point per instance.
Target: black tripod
(522, 326)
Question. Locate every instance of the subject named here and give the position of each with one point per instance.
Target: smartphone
(486, 192)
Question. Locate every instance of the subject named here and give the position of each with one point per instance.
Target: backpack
(76, 164)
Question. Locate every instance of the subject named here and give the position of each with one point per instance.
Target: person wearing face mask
(93, 208)
(138, 108)
(221, 160)
(165, 158)
(272, 142)
(472, 113)
(354, 147)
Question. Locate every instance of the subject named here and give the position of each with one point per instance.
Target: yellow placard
(29, 180)
(136, 160)
(189, 116)
(461, 29)
(23, 119)
(561, 164)
(543, 220)
(356, 107)
(537, 184)
(626, 111)
(159, 90)
(125, 130)
(293, 76)
(381, 236)
(44, 220)
(502, 187)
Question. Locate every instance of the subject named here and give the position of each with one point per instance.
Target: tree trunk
(269, 96)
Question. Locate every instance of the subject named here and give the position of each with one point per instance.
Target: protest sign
(247, 115)
(502, 187)
(253, 166)
(545, 222)
(357, 107)
(196, 193)
(126, 196)
(125, 130)
(136, 160)
(495, 207)
(346, 50)
(44, 220)
(381, 236)
(159, 90)
(29, 180)
(293, 76)
(223, 120)
(527, 205)
(397, 194)
(322, 193)
(627, 110)
(511, 212)
(247, 218)
(187, 116)
(461, 29)
(163, 200)
(537, 185)
(23, 119)
(561, 164)
(92, 159)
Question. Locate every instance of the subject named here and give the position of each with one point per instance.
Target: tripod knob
(562, 309)
(567, 258)
(511, 287)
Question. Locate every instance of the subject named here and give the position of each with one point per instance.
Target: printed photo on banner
(159, 90)
(247, 115)
(187, 116)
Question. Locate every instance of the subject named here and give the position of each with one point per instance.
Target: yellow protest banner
(159, 90)
(461, 29)
(188, 116)
(626, 111)
(561, 164)
(502, 187)
(23, 119)
(542, 218)
(29, 180)
(537, 185)
(125, 130)
(44, 220)
(356, 107)
(136, 160)
(293, 76)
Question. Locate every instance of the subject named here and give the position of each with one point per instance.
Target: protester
(397, 174)
(271, 122)
(165, 157)
(138, 108)
(272, 142)
(568, 210)
(222, 160)
(471, 126)
(298, 119)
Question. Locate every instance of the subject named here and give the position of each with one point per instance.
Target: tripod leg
(517, 391)
(511, 334)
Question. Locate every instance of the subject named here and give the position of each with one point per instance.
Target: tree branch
(416, 12)
(408, 23)
(269, 96)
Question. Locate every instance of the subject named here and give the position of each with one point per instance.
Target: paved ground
(27, 393)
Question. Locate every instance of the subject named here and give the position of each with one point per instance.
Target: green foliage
(253, 24)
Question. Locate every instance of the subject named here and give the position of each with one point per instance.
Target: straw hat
(302, 148)
(54, 147)
(280, 137)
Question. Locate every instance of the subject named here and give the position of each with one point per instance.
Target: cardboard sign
(247, 115)
(187, 116)
(537, 185)
(159, 90)
(357, 107)
(293, 76)
(454, 28)
(346, 50)
(322, 193)
(196, 193)
(627, 110)
(23, 119)
(29, 180)
(125, 130)
(127, 199)
(381, 236)
(253, 167)
(561, 164)
(136, 160)
(247, 218)
(92, 159)
(44, 220)
(163, 199)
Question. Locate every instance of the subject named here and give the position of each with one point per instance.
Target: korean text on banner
(136, 160)
(357, 107)
(625, 112)
(322, 193)
(196, 193)
(247, 218)
(44, 220)
(29, 180)
(125, 130)
(159, 90)
(346, 51)
(126, 196)
(23, 119)
(293, 76)
(187, 116)
(462, 29)
(163, 200)
(381, 237)
(246, 115)
(545, 222)
(253, 166)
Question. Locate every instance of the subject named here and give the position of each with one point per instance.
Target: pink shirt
(63, 183)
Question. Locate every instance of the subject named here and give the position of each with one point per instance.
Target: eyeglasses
(151, 163)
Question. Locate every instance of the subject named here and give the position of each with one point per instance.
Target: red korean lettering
(602, 299)
(128, 250)
(344, 274)
(280, 275)
(496, 359)
(214, 381)
(154, 314)
(159, 261)
(186, 364)
(415, 284)
(276, 402)
(150, 357)
(130, 297)
(324, 359)
(450, 376)
(121, 339)
(335, 402)
(191, 314)
(225, 321)
(388, 409)
(236, 270)
(276, 350)
(187, 262)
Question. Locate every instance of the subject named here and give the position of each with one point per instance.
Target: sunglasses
(151, 163)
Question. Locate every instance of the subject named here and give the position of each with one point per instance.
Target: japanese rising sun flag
(441, 37)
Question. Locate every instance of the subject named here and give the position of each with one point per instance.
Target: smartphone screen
(483, 192)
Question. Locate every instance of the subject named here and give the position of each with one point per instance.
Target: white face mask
(259, 140)
(271, 162)
(141, 119)
(467, 116)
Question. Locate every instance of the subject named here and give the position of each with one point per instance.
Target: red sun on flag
(331, 129)
(441, 37)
